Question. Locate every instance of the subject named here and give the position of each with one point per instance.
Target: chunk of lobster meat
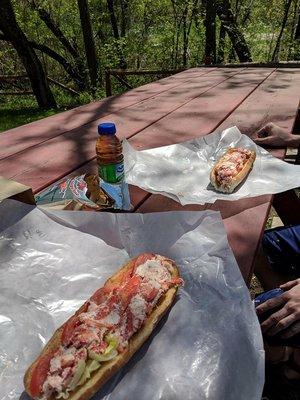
(89, 322)
(72, 323)
(84, 336)
(141, 259)
(68, 330)
(173, 282)
(113, 285)
(130, 289)
(149, 292)
(67, 375)
(100, 296)
(67, 360)
(177, 281)
(98, 348)
(53, 383)
(127, 325)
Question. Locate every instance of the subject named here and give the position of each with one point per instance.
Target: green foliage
(263, 27)
(154, 32)
(153, 39)
(15, 112)
(20, 110)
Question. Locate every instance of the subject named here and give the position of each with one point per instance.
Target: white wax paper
(181, 171)
(208, 347)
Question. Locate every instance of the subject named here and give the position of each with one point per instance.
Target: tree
(285, 17)
(210, 32)
(89, 44)
(221, 44)
(115, 29)
(183, 14)
(70, 70)
(188, 16)
(124, 16)
(297, 33)
(224, 11)
(68, 46)
(31, 63)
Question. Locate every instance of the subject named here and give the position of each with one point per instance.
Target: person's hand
(274, 136)
(288, 316)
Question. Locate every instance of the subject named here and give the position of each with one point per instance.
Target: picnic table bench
(190, 104)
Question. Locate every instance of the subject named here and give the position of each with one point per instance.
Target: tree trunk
(32, 64)
(231, 56)
(57, 57)
(297, 34)
(221, 46)
(54, 28)
(185, 36)
(124, 16)
(285, 17)
(57, 32)
(247, 13)
(210, 33)
(175, 35)
(89, 43)
(226, 16)
(189, 18)
(293, 30)
(114, 25)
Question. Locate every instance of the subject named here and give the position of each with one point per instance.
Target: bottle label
(112, 173)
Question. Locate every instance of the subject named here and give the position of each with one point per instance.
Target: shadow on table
(116, 379)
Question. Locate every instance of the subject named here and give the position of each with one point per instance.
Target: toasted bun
(237, 179)
(109, 368)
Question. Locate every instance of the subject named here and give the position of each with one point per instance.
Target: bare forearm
(294, 141)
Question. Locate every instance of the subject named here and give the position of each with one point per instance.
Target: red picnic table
(190, 104)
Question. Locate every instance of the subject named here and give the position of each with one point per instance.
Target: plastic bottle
(110, 158)
(110, 162)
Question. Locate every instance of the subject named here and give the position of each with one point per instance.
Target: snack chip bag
(85, 192)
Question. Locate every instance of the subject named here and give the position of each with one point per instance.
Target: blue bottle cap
(107, 128)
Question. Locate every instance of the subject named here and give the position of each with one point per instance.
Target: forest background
(73, 42)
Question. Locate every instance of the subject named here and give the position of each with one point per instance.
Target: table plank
(276, 100)
(20, 138)
(147, 113)
(203, 114)
(158, 202)
(41, 165)
(244, 222)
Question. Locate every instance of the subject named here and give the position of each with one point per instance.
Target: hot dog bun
(109, 368)
(237, 177)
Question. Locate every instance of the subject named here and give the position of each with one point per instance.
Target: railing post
(107, 83)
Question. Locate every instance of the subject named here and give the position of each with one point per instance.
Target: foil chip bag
(85, 192)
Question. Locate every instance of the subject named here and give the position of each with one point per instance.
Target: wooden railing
(280, 64)
(120, 75)
(14, 78)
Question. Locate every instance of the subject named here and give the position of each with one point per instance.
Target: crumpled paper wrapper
(209, 346)
(181, 171)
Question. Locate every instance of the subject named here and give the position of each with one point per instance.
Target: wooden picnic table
(190, 104)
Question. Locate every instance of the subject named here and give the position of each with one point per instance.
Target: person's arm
(287, 318)
(272, 135)
(295, 141)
